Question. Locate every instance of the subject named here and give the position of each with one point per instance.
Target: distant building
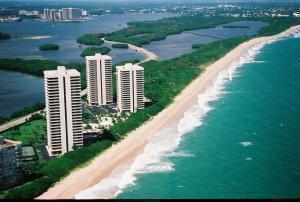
(60, 14)
(46, 14)
(71, 14)
(52, 14)
(296, 14)
(130, 87)
(84, 13)
(74, 13)
(65, 14)
(99, 79)
(10, 163)
(63, 110)
(29, 13)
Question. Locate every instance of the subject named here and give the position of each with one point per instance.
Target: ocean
(241, 140)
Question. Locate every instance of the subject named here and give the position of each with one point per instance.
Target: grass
(33, 132)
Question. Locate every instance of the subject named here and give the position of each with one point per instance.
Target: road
(17, 121)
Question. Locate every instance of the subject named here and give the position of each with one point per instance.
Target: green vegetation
(134, 61)
(4, 36)
(93, 50)
(140, 33)
(120, 45)
(235, 26)
(276, 25)
(48, 47)
(90, 39)
(36, 67)
(56, 169)
(163, 81)
(33, 67)
(33, 132)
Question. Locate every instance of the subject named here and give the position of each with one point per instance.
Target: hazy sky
(157, 1)
(166, 0)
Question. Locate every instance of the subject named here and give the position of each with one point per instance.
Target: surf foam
(164, 143)
(35, 37)
(246, 144)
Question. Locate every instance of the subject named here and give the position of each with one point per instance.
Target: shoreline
(149, 55)
(125, 152)
(18, 121)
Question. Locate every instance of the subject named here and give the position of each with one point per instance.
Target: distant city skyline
(157, 1)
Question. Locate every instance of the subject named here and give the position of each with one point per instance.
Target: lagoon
(20, 90)
(180, 44)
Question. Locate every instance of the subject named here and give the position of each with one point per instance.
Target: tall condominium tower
(63, 110)
(130, 87)
(99, 79)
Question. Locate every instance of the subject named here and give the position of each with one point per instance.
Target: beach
(126, 151)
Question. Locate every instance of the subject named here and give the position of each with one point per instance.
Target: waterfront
(181, 44)
(240, 140)
(65, 35)
(186, 120)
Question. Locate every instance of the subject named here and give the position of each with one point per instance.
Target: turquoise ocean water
(241, 140)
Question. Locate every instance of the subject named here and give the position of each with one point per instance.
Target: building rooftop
(61, 70)
(129, 66)
(98, 56)
(6, 143)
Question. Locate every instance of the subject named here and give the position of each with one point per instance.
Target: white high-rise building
(130, 87)
(74, 13)
(60, 14)
(99, 79)
(65, 14)
(63, 110)
(52, 15)
(46, 14)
